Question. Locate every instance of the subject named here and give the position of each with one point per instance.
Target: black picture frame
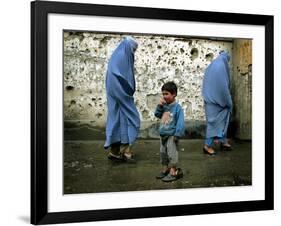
(39, 112)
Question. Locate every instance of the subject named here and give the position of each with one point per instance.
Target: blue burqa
(217, 98)
(123, 119)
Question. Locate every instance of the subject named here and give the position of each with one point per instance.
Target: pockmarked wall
(158, 59)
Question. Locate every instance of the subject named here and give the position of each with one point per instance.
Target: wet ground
(87, 169)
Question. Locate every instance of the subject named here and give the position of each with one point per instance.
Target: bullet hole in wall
(68, 88)
(209, 56)
(145, 113)
(194, 53)
(98, 115)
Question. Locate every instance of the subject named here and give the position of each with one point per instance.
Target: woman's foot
(208, 150)
(128, 158)
(114, 157)
(226, 147)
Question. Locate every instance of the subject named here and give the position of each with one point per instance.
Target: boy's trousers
(168, 151)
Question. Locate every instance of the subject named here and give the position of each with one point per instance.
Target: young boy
(171, 128)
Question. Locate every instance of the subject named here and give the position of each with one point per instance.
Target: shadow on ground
(87, 169)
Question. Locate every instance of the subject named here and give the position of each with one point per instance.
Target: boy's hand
(162, 102)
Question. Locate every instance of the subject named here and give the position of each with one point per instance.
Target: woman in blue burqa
(218, 102)
(123, 119)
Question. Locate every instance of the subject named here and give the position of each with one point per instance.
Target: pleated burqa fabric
(123, 119)
(217, 98)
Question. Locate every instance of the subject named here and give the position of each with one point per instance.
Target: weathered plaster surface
(242, 88)
(157, 60)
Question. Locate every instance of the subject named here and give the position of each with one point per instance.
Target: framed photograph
(145, 112)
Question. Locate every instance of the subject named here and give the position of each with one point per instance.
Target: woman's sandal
(226, 147)
(114, 157)
(205, 151)
(129, 159)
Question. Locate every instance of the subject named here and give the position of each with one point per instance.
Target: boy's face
(168, 97)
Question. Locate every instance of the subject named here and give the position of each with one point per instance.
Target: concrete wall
(157, 60)
(242, 88)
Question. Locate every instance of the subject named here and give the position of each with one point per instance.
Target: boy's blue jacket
(172, 120)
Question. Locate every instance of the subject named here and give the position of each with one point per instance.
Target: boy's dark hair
(170, 87)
